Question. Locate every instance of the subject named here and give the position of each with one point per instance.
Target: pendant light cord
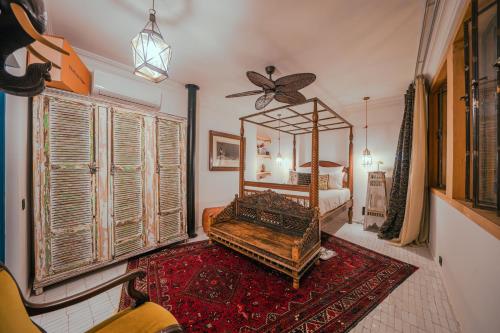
(366, 123)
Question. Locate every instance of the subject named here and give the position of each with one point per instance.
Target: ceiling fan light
(151, 53)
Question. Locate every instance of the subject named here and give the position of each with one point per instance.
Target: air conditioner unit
(125, 90)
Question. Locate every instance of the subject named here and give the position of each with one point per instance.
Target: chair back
(13, 315)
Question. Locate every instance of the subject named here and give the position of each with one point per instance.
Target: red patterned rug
(210, 288)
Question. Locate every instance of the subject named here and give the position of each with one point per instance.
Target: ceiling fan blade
(292, 97)
(294, 82)
(262, 101)
(260, 80)
(246, 93)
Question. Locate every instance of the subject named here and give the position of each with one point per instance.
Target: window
(438, 132)
(481, 51)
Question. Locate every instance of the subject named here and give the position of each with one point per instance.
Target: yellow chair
(143, 317)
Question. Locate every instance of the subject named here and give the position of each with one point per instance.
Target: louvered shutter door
(70, 185)
(169, 180)
(128, 182)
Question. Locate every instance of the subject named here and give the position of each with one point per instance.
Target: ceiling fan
(284, 90)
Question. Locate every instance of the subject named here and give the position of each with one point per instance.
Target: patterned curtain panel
(397, 203)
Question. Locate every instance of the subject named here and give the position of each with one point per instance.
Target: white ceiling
(356, 48)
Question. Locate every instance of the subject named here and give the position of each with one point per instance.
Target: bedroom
(109, 173)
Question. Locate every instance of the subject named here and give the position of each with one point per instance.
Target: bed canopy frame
(297, 120)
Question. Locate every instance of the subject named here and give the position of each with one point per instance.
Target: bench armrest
(310, 238)
(209, 215)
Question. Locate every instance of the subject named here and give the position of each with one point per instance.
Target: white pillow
(336, 177)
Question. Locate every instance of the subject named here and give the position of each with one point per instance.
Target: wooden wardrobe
(108, 183)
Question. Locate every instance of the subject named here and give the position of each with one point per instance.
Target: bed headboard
(329, 164)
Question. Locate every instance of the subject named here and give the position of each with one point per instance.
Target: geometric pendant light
(366, 157)
(151, 53)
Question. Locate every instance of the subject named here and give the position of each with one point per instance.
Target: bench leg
(210, 241)
(295, 280)
(317, 262)
(349, 214)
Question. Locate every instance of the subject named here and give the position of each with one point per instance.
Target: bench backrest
(275, 211)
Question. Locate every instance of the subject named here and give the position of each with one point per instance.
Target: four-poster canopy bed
(299, 120)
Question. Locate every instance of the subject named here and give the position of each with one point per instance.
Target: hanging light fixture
(366, 157)
(279, 159)
(151, 53)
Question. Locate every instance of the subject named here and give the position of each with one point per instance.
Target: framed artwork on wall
(224, 151)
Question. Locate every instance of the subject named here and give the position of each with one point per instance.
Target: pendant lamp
(151, 53)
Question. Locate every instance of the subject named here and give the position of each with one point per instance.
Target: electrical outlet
(363, 211)
(440, 261)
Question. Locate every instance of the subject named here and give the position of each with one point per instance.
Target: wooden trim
(337, 210)
(294, 165)
(481, 217)
(455, 129)
(314, 197)
(211, 167)
(242, 159)
(298, 130)
(350, 173)
(35, 309)
(278, 186)
(324, 164)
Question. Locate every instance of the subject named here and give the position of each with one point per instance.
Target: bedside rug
(210, 288)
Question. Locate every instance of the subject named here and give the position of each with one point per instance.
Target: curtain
(397, 202)
(407, 219)
(415, 225)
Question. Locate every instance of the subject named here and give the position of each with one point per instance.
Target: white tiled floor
(420, 304)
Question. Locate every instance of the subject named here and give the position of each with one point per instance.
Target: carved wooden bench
(271, 229)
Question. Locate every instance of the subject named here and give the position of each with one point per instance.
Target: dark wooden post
(294, 166)
(350, 174)
(242, 159)
(190, 160)
(314, 194)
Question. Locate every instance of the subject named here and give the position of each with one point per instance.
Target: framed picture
(224, 152)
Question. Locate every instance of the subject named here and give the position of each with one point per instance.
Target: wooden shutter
(170, 190)
(127, 182)
(70, 186)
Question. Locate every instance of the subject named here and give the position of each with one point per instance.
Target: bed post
(242, 158)
(314, 194)
(351, 171)
(294, 166)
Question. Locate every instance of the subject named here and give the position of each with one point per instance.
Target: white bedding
(331, 199)
(328, 199)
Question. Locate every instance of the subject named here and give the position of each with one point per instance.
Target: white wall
(384, 123)
(217, 188)
(17, 227)
(471, 267)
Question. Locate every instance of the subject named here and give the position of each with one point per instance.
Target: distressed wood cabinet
(108, 183)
